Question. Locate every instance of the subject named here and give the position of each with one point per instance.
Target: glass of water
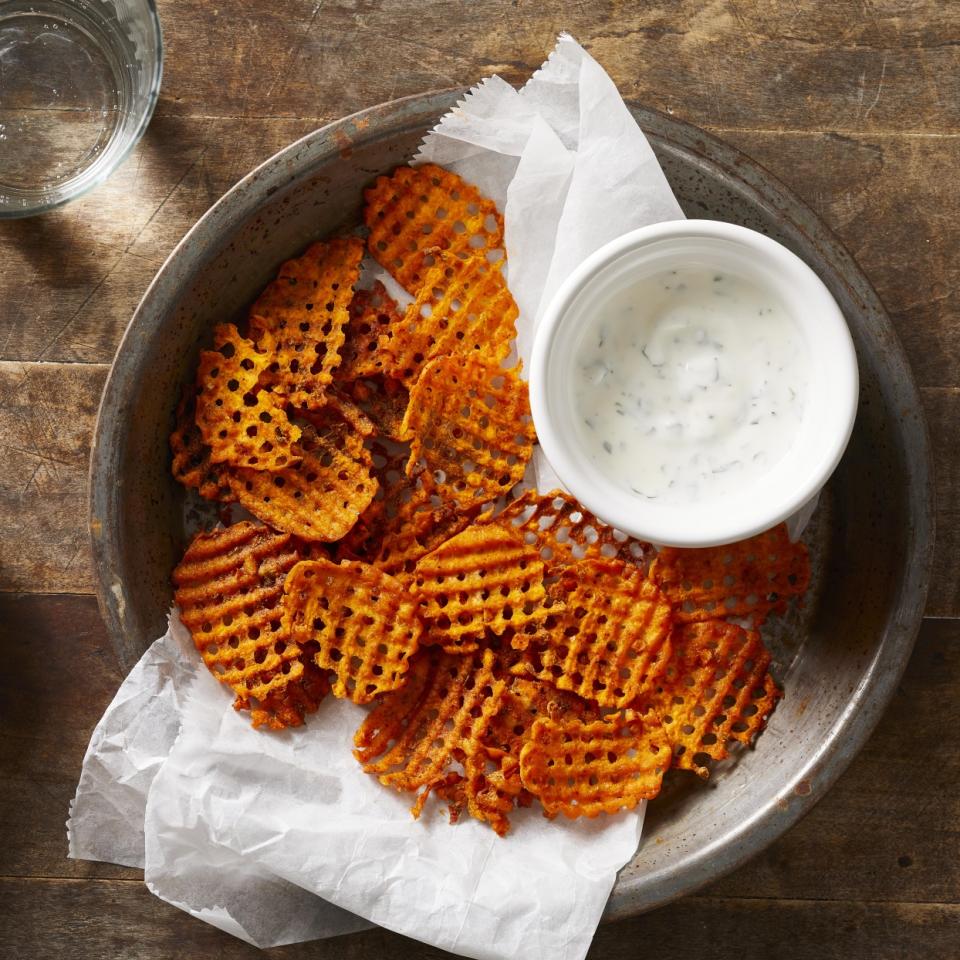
(78, 83)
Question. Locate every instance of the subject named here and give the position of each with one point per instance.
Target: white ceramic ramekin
(828, 417)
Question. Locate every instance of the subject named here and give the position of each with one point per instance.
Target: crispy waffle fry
(716, 688)
(613, 639)
(242, 424)
(406, 520)
(192, 465)
(306, 309)
(464, 306)
(343, 407)
(489, 789)
(484, 578)
(471, 422)
(319, 498)
(372, 312)
(584, 769)
(410, 739)
(229, 586)
(748, 579)
(383, 400)
(564, 532)
(415, 210)
(363, 622)
(524, 701)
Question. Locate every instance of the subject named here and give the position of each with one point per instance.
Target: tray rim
(880, 677)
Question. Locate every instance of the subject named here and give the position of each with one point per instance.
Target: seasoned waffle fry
(482, 579)
(524, 701)
(306, 310)
(612, 640)
(243, 425)
(192, 465)
(749, 579)
(344, 408)
(716, 688)
(564, 532)
(372, 312)
(319, 498)
(471, 422)
(363, 622)
(406, 520)
(383, 400)
(489, 789)
(463, 307)
(584, 769)
(229, 586)
(416, 210)
(412, 736)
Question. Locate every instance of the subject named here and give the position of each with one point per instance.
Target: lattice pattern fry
(229, 586)
(564, 532)
(411, 738)
(613, 639)
(602, 766)
(405, 521)
(306, 310)
(242, 424)
(383, 400)
(418, 209)
(748, 579)
(471, 423)
(319, 498)
(363, 622)
(716, 688)
(483, 579)
(463, 307)
(192, 465)
(373, 312)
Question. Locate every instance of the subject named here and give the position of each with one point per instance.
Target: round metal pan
(839, 660)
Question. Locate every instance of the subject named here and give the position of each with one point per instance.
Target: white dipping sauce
(689, 385)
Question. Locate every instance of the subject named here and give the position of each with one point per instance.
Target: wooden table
(855, 105)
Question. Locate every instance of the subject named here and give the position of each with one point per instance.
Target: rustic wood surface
(855, 104)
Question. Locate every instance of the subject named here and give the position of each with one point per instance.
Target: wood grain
(47, 413)
(114, 918)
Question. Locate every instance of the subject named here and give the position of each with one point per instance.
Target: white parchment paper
(277, 838)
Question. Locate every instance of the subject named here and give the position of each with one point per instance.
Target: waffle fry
(372, 313)
(410, 739)
(470, 422)
(483, 579)
(749, 579)
(306, 310)
(489, 789)
(716, 688)
(602, 766)
(463, 307)
(363, 622)
(319, 498)
(192, 465)
(405, 521)
(229, 586)
(418, 209)
(524, 701)
(612, 640)
(242, 424)
(383, 400)
(564, 532)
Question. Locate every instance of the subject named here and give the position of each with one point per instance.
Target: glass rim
(83, 186)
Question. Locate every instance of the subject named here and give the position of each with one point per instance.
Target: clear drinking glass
(78, 83)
